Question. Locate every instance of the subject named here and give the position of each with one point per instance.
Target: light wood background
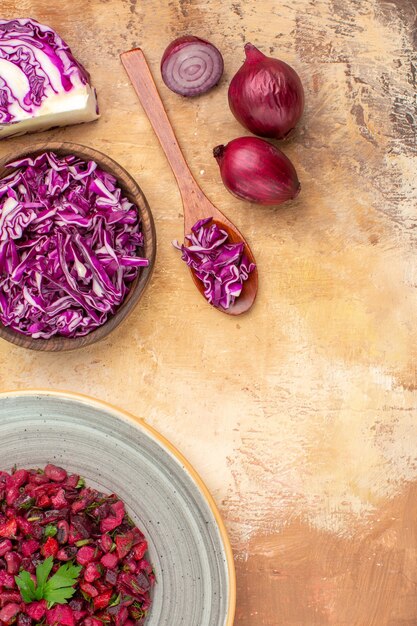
(300, 416)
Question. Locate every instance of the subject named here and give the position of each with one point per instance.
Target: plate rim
(140, 422)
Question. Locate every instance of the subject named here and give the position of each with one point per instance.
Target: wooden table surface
(301, 415)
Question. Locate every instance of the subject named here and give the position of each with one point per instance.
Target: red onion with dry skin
(191, 66)
(254, 170)
(266, 95)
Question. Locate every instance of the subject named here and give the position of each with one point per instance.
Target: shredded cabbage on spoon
(222, 266)
(70, 246)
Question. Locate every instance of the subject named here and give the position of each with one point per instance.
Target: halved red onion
(253, 169)
(191, 66)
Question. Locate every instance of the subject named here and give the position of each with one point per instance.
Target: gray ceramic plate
(114, 451)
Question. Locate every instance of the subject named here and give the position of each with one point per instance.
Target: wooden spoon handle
(140, 75)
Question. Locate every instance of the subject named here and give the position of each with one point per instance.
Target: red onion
(266, 95)
(255, 170)
(191, 66)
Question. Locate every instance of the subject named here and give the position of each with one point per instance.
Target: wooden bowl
(135, 195)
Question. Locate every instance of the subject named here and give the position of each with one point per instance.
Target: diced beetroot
(36, 490)
(146, 603)
(40, 490)
(115, 518)
(72, 481)
(27, 564)
(89, 589)
(29, 547)
(110, 577)
(36, 610)
(20, 478)
(13, 560)
(106, 542)
(124, 544)
(38, 479)
(8, 529)
(43, 501)
(53, 515)
(60, 614)
(130, 564)
(109, 560)
(76, 604)
(73, 535)
(102, 511)
(59, 501)
(78, 609)
(50, 547)
(67, 553)
(82, 525)
(85, 555)
(122, 616)
(24, 526)
(143, 582)
(10, 482)
(79, 505)
(5, 546)
(63, 531)
(136, 614)
(145, 566)
(86, 497)
(37, 531)
(92, 621)
(137, 535)
(136, 584)
(119, 614)
(102, 601)
(55, 473)
(9, 612)
(78, 616)
(92, 572)
(101, 586)
(12, 495)
(9, 596)
(139, 550)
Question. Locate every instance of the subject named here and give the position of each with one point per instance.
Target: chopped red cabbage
(70, 245)
(221, 266)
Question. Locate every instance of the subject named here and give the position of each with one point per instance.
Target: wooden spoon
(196, 205)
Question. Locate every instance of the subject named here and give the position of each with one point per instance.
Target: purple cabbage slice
(71, 245)
(221, 266)
(42, 85)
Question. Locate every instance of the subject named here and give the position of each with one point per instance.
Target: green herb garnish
(25, 506)
(82, 542)
(55, 590)
(115, 600)
(50, 530)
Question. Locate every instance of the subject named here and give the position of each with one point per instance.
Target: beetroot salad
(68, 554)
